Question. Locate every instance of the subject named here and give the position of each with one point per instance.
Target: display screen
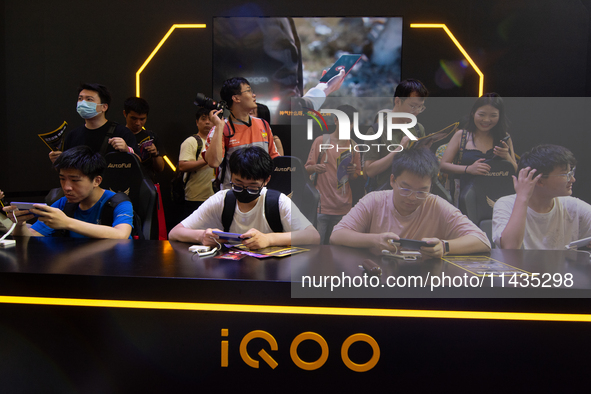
(285, 57)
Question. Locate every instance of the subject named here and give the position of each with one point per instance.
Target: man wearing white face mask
(98, 133)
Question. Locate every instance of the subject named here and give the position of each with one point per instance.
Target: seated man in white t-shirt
(542, 214)
(251, 170)
(409, 211)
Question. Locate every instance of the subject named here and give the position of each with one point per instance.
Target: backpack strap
(272, 212)
(325, 140)
(228, 212)
(223, 166)
(106, 217)
(108, 136)
(463, 143)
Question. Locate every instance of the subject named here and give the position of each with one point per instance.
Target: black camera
(208, 103)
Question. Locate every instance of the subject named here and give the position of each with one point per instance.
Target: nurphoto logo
(344, 124)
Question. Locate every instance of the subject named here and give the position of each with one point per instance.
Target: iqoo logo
(293, 350)
(345, 129)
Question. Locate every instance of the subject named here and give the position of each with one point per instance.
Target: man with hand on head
(409, 211)
(98, 133)
(264, 217)
(80, 172)
(542, 214)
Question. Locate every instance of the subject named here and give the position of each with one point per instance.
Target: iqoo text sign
(293, 350)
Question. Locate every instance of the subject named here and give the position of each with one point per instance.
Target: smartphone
(25, 205)
(412, 244)
(229, 236)
(505, 139)
(345, 62)
(578, 243)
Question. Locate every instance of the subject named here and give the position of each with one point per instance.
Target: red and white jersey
(239, 135)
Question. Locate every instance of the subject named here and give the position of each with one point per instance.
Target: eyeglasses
(249, 189)
(569, 175)
(408, 192)
(417, 108)
(249, 90)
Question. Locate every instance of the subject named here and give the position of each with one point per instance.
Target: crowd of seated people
(238, 151)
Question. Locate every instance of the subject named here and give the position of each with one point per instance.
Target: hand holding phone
(228, 236)
(345, 62)
(412, 244)
(25, 206)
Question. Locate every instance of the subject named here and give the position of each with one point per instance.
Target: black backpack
(106, 216)
(271, 210)
(177, 184)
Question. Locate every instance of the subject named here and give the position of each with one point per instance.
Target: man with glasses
(409, 97)
(409, 211)
(250, 170)
(240, 129)
(542, 214)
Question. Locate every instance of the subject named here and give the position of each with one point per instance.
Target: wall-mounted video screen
(285, 57)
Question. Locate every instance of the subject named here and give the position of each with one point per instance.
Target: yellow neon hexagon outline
(457, 43)
(175, 26)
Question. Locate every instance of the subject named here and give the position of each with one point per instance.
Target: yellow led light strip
(297, 310)
(457, 43)
(175, 26)
(167, 160)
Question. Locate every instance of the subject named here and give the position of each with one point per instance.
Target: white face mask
(86, 110)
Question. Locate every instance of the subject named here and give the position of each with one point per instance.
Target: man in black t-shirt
(93, 102)
(148, 147)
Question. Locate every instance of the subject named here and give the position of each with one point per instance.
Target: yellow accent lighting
(167, 160)
(457, 43)
(298, 310)
(175, 26)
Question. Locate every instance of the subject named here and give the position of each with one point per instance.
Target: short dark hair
(263, 112)
(418, 161)
(137, 105)
(91, 164)
(251, 163)
(232, 87)
(201, 111)
(493, 99)
(407, 86)
(347, 109)
(102, 91)
(545, 158)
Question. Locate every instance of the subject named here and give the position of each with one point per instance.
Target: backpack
(178, 183)
(272, 213)
(106, 216)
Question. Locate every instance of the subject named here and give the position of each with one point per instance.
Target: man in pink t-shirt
(409, 211)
